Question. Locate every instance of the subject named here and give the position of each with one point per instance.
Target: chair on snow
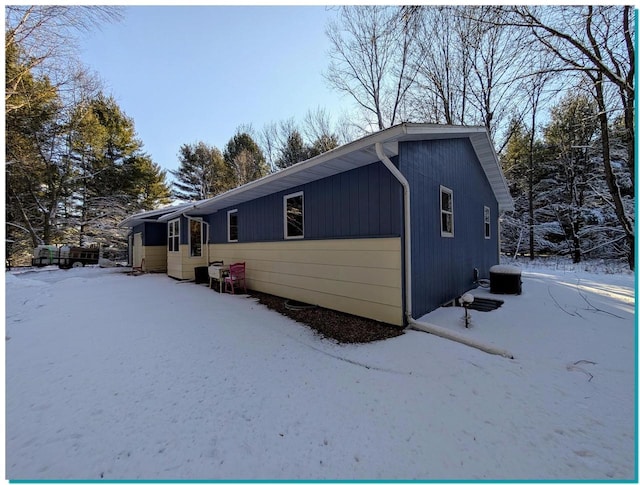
(235, 278)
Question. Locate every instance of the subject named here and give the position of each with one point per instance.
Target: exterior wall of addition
(180, 264)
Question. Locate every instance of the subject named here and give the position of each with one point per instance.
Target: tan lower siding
(181, 266)
(357, 276)
(155, 258)
(174, 265)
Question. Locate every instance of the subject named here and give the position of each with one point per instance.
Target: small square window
(232, 225)
(446, 212)
(487, 222)
(294, 216)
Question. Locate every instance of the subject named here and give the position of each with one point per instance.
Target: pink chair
(236, 276)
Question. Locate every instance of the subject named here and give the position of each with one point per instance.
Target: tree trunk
(531, 235)
(614, 190)
(628, 96)
(35, 239)
(577, 252)
(530, 183)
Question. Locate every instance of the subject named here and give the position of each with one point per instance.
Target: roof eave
(363, 149)
(334, 154)
(149, 216)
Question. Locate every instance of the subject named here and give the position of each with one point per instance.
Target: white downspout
(413, 324)
(207, 243)
(407, 226)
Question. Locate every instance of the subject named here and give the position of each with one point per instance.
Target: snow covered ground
(119, 377)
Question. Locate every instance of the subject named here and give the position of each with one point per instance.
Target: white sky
(187, 74)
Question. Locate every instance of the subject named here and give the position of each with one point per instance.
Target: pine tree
(244, 160)
(36, 170)
(570, 198)
(322, 144)
(293, 152)
(113, 175)
(201, 173)
(149, 183)
(516, 163)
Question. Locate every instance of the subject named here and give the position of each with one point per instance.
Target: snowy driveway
(117, 377)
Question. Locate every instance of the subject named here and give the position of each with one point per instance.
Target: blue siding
(184, 230)
(442, 267)
(153, 233)
(360, 203)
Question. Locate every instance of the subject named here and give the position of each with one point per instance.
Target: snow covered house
(388, 227)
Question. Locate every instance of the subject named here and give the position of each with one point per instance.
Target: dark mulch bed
(335, 325)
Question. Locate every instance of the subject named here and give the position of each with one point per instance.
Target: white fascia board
(486, 153)
(422, 129)
(143, 216)
(177, 213)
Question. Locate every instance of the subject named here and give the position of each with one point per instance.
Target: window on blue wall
(173, 241)
(232, 225)
(446, 212)
(195, 238)
(487, 222)
(294, 216)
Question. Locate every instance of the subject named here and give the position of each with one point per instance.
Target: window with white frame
(195, 238)
(173, 237)
(232, 225)
(487, 222)
(446, 212)
(294, 216)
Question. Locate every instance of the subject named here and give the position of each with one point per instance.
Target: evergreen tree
(73, 168)
(244, 160)
(114, 176)
(201, 173)
(322, 144)
(36, 169)
(516, 163)
(149, 183)
(293, 152)
(569, 135)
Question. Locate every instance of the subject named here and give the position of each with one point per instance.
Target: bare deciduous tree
(317, 124)
(43, 39)
(441, 84)
(371, 49)
(471, 69)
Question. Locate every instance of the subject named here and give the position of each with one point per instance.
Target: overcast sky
(187, 74)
